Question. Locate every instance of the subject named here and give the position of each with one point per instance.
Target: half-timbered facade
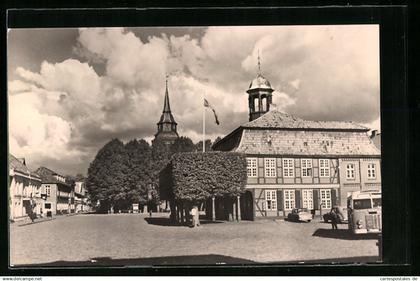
(296, 163)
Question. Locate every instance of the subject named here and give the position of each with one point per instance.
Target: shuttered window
(306, 167)
(324, 168)
(251, 168)
(288, 168)
(289, 199)
(270, 167)
(325, 195)
(271, 199)
(307, 199)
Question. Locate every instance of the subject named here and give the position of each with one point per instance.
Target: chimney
(373, 134)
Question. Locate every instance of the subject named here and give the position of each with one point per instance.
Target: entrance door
(247, 206)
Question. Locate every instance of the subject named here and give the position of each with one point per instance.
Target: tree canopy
(198, 176)
(122, 174)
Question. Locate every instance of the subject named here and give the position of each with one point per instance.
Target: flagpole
(204, 125)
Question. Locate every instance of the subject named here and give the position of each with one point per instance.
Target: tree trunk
(239, 207)
(213, 209)
(235, 215)
(182, 212)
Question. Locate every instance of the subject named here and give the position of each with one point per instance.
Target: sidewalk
(27, 221)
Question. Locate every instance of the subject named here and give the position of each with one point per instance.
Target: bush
(198, 176)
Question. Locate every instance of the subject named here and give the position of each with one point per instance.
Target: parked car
(301, 214)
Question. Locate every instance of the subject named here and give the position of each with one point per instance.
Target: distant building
(296, 163)
(80, 197)
(24, 189)
(59, 194)
(167, 131)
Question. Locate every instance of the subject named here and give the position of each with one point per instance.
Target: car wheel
(309, 220)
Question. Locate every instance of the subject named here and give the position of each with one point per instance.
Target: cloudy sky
(72, 90)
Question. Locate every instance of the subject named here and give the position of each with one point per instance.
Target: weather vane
(259, 62)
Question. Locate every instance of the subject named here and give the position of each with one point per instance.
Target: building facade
(24, 189)
(58, 193)
(80, 197)
(296, 163)
(166, 127)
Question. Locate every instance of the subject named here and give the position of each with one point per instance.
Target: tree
(140, 176)
(199, 145)
(198, 176)
(107, 175)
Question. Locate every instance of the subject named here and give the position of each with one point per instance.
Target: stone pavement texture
(135, 236)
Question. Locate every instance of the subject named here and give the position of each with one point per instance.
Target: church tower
(166, 126)
(259, 95)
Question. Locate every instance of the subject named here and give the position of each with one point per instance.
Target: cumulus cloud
(113, 83)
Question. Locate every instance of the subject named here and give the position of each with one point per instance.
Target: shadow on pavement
(168, 222)
(171, 260)
(348, 260)
(343, 234)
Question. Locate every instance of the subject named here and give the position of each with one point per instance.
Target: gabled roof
(280, 133)
(48, 176)
(307, 143)
(19, 165)
(279, 120)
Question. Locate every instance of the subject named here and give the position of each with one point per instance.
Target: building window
(326, 198)
(324, 168)
(307, 199)
(350, 171)
(371, 172)
(251, 168)
(289, 199)
(271, 200)
(306, 167)
(270, 167)
(48, 190)
(288, 168)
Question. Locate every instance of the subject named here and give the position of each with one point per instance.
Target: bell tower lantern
(259, 95)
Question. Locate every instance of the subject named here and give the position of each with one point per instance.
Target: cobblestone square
(135, 237)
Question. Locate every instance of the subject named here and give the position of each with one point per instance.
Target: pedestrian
(334, 218)
(195, 216)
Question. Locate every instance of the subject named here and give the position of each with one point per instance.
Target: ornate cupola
(167, 132)
(259, 95)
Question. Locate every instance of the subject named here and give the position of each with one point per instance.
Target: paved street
(132, 239)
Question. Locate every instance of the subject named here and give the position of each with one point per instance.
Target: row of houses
(43, 192)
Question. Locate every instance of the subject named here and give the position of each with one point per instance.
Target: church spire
(166, 126)
(166, 105)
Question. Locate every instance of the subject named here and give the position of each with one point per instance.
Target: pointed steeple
(166, 126)
(166, 113)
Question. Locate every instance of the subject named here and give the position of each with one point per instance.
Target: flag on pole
(206, 104)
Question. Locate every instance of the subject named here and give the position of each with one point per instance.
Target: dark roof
(283, 134)
(19, 165)
(306, 143)
(166, 116)
(280, 120)
(48, 176)
(260, 82)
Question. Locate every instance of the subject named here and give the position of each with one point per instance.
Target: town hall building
(297, 163)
